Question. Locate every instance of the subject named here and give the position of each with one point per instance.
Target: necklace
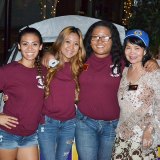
(132, 85)
(134, 74)
(123, 91)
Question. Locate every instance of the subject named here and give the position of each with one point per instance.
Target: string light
(127, 11)
(44, 8)
(54, 6)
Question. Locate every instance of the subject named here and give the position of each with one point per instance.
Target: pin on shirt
(132, 87)
(85, 67)
(53, 62)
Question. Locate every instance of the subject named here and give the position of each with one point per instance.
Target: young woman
(22, 81)
(98, 109)
(138, 131)
(56, 133)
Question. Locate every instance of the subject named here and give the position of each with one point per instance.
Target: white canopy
(50, 28)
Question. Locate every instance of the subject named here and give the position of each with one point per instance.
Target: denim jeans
(94, 138)
(11, 141)
(56, 138)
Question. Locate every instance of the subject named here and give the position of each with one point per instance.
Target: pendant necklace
(132, 86)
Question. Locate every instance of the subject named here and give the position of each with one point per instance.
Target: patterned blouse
(140, 107)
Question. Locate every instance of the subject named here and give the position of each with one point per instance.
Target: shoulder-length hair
(139, 42)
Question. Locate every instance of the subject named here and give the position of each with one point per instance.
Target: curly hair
(76, 61)
(116, 49)
(139, 42)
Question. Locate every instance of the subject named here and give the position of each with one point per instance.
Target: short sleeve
(2, 78)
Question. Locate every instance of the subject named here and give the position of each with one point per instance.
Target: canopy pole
(7, 29)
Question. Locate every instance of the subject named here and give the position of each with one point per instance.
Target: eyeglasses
(103, 38)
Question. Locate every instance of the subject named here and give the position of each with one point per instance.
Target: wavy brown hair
(76, 61)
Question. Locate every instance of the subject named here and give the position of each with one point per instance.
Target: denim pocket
(48, 120)
(72, 121)
(114, 123)
(1, 135)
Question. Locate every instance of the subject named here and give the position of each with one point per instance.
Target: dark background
(26, 12)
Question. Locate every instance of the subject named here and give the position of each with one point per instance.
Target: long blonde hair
(76, 61)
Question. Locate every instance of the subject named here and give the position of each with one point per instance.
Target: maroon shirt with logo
(26, 95)
(98, 90)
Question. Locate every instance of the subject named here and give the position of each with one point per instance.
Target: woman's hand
(46, 58)
(5, 98)
(147, 139)
(151, 65)
(8, 121)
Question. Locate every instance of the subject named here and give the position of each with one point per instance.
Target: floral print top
(139, 107)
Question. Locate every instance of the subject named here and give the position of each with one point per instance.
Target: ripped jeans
(56, 138)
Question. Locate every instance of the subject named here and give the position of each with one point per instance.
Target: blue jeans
(94, 138)
(56, 138)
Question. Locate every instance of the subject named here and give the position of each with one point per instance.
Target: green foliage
(146, 16)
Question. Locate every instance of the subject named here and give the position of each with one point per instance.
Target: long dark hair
(29, 30)
(116, 49)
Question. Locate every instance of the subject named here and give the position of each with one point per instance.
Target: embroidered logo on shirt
(115, 72)
(40, 82)
(85, 67)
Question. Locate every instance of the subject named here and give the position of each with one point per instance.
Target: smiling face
(70, 46)
(134, 53)
(101, 47)
(29, 46)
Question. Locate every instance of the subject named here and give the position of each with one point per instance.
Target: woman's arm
(152, 130)
(46, 58)
(147, 139)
